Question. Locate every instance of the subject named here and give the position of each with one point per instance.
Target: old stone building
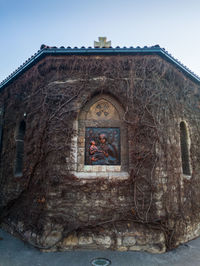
(100, 149)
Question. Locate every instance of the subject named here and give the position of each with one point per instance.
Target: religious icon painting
(102, 146)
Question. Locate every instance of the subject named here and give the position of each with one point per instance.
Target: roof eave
(97, 51)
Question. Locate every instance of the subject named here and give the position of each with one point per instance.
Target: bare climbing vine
(155, 97)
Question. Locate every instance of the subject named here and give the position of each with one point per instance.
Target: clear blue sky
(26, 24)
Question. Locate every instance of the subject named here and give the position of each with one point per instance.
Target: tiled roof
(47, 50)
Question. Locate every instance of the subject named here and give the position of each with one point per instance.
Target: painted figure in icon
(93, 151)
(104, 153)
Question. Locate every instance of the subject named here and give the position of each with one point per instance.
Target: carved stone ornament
(102, 110)
(102, 43)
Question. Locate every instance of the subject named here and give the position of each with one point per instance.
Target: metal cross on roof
(102, 43)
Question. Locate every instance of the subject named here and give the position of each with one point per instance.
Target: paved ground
(14, 252)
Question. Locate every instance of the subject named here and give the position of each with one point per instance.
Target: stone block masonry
(144, 201)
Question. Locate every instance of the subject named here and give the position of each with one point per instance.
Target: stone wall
(53, 204)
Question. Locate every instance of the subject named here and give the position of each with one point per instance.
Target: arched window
(1, 126)
(102, 137)
(184, 141)
(18, 168)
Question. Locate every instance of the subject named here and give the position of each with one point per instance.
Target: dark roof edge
(97, 51)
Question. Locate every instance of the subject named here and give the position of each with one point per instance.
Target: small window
(184, 139)
(1, 126)
(19, 149)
